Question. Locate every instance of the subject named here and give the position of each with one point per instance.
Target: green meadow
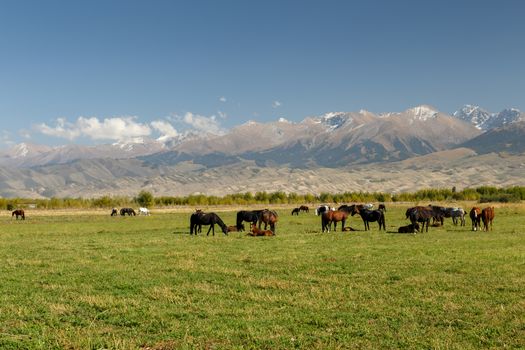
(91, 281)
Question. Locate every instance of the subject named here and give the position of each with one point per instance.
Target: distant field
(86, 281)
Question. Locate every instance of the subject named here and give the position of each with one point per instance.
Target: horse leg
(209, 229)
(272, 227)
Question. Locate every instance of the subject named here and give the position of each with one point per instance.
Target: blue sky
(95, 71)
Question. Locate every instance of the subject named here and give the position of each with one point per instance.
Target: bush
(502, 198)
(145, 199)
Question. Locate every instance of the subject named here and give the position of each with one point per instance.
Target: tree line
(146, 199)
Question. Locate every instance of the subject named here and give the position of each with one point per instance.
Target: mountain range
(333, 144)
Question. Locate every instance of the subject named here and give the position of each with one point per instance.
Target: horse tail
(192, 224)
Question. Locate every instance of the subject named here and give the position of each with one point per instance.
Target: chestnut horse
(475, 216)
(19, 212)
(333, 216)
(487, 216)
(257, 232)
(269, 217)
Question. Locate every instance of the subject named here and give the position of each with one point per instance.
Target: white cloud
(222, 115)
(202, 123)
(116, 128)
(276, 104)
(165, 129)
(222, 99)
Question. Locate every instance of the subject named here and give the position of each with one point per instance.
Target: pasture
(91, 281)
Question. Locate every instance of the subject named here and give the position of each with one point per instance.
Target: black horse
(370, 216)
(251, 216)
(128, 211)
(114, 212)
(439, 214)
(199, 218)
(420, 214)
(296, 211)
(19, 212)
(304, 208)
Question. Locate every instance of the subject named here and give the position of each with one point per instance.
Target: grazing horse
(128, 211)
(412, 228)
(455, 214)
(256, 232)
(487, 216)
(269, 217)
(144, 211)
(370, 216)
(475, 216)
(295, 211)
(420, 214)
(304, 208)
(199, 218)
(333, 216)
(114, 212)
(251, 216)
(19, 212)
(381, 207)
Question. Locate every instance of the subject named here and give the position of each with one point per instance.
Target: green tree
(145, 199)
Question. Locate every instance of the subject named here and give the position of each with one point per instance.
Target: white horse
(144, 211)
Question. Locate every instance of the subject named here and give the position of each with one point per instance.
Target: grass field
(89, 281)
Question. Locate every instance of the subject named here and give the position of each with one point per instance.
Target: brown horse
(487, 216)
(333, 216)
(269, 217)
(19, 212)
(233, 229)
(304, 208)
(257, 232)
(475, 216)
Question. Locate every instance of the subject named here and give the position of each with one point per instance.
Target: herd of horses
(266, 216)
(129, 212)
(419, 216)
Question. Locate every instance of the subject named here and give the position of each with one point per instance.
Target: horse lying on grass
(256, 232)
(412, 228)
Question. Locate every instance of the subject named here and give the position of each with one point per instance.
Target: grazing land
(86, 280)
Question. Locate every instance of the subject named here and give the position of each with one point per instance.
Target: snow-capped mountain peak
(485, 120)
(334, 120)
(20, 150)
(422, 112)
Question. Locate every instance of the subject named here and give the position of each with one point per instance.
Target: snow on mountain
(485, 120)
(334, 120)
(422, 112)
